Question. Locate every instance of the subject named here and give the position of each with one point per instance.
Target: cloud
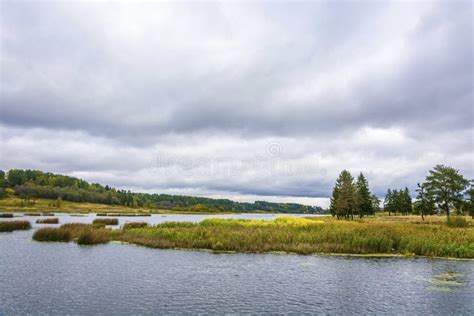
(105, 90)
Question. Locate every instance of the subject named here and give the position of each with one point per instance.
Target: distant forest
(32, 184)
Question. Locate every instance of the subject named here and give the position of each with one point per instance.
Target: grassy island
(14, 225)
(402, 235)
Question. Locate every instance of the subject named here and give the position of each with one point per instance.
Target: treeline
(351, 197)
(31, 184)
(444, 190)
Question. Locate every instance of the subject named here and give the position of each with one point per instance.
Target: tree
(335, 194)
(387, 203)
(375, 203)
(344, 203)
(446, 185)
(424, 204)
(469, 202)
(363, 197)
(406, 201)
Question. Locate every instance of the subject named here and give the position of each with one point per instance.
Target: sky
(242, 100)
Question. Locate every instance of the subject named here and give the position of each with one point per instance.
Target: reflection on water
(64, 278)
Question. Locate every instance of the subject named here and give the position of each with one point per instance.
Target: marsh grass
(106, 221)
(93, 237)
(6, 215)
(47, 214)
(309, 236)
(84, 234)
(291, 235)
(9, 226)
(48, 221)
(135, 225)
(52, 235)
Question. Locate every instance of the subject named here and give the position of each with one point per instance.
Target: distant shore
(14, 205)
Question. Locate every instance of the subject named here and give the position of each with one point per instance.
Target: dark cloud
(106, 87)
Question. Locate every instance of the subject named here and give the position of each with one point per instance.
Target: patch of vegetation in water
(93, 237)
(448, 276)
(52, 235)
(106, 221)
(54, 220)
(6, 215)
(9, 226)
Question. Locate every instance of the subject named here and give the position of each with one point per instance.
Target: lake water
(64, 278)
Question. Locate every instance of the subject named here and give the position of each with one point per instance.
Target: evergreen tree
(363, 197)
(407, 202)
(387, 203)
(344, 203)
(335, 194)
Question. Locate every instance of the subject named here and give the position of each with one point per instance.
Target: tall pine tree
(363, 197)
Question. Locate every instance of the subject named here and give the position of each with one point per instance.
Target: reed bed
(308, 236)
(54, 220)
(52, 235)
(84, 234)
(135, 225)
(9, 226)
(106, 221)
(6, 215)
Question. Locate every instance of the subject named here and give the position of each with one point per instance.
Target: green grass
(9, 226)
(106, 221)
(135, 225)
(54, 220)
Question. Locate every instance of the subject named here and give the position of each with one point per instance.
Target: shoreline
(318, 254)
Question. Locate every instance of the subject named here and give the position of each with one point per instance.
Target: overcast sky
(244, 100)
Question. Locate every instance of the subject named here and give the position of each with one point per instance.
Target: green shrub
(48, 221)
(135, 225)
(106, 221)
(14, 225)
(6, 215)
(52, 234)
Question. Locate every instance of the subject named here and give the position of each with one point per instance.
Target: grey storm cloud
(105, 90)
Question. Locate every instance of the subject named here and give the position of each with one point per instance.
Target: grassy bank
(381, 236)
(14, 204)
